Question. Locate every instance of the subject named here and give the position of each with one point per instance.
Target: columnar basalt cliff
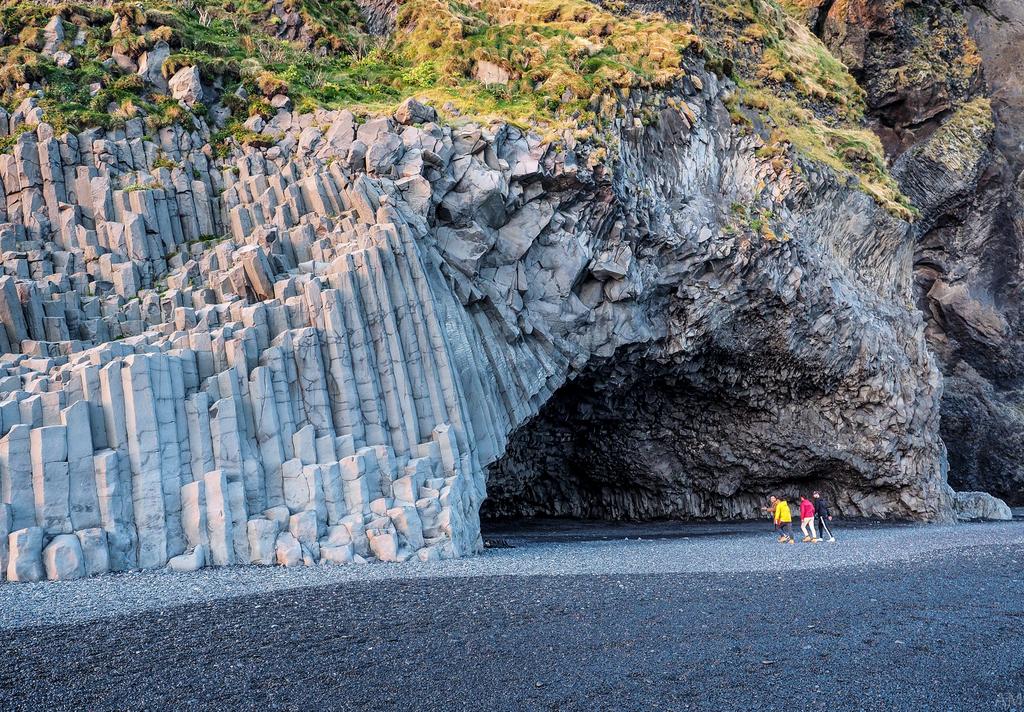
(330, 339)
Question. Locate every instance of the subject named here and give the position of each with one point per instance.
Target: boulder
(336, 554)
(25, 555)
(974, 506)
(63, 59)
(383, 543)
(412, 111)
(465, 247)
(123, 62)
(63, 558)
(490, 73)
(186, 86)
(309, 139)
(289, 551)
(191, 560)
(337, 535)
(281, 102)
(383, 154)
(303, 526)
(517, 235)
(53, 36)
(429, 553)
(480, 196)
(151, 65)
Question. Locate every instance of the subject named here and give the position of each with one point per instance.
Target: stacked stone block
(250, 360)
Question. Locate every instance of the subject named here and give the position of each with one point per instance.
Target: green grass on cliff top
(567, 64)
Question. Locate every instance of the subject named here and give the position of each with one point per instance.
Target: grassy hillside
(549, 63)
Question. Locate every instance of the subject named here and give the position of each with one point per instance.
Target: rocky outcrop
(289, 394)
(331, 348)
(379, 15)
(916, 61)
(943, 82)
(731, 358)
(973, 506)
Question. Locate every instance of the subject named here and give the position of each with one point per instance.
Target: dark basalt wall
(721, 362)
(651, 444)
(945, 87)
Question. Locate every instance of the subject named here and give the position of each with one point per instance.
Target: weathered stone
(192, 560)
(143, 446)
(490, 73)
(194, 513)
(263, 541)
(151, 64)
(280, 515)
(239, 535)
(5, 531)
(95, 555)
(16, 476)
(82, 501)
(412, 111)
(383, 544)
(63, 59)
(25, 555)
(337, 535)
(304, 527)
(971, 506)
(63, 558)
(186, 86)
(289, 551)
(219, 520)
(336, 554)
(280, 102)
(383, 154)
(429, 553)
(408, 318)
(407, 522)
(50, 479)
(53, 36)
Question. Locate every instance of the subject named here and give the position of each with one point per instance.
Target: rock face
(327, 350)
(952, 121)
(727, 364)
(151, 65)
(980, 505)
(379, 15)
(173, 401)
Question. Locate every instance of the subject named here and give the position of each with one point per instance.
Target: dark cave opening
(650, 444)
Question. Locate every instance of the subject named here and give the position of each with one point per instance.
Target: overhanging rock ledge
(403, 315)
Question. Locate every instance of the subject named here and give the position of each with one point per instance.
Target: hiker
(822, 513)
(807, 520)
(783, 520)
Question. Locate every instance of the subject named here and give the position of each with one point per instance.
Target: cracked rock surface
(944, 84)
(331, 348)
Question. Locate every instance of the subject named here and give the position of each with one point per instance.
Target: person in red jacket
(807, 520)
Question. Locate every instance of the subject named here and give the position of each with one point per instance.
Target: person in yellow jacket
(783, 519)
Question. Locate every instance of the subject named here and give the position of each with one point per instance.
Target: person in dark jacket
(823, 515)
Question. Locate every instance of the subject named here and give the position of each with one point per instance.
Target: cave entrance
(647, 444)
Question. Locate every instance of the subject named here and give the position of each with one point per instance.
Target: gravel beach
(560, 617)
